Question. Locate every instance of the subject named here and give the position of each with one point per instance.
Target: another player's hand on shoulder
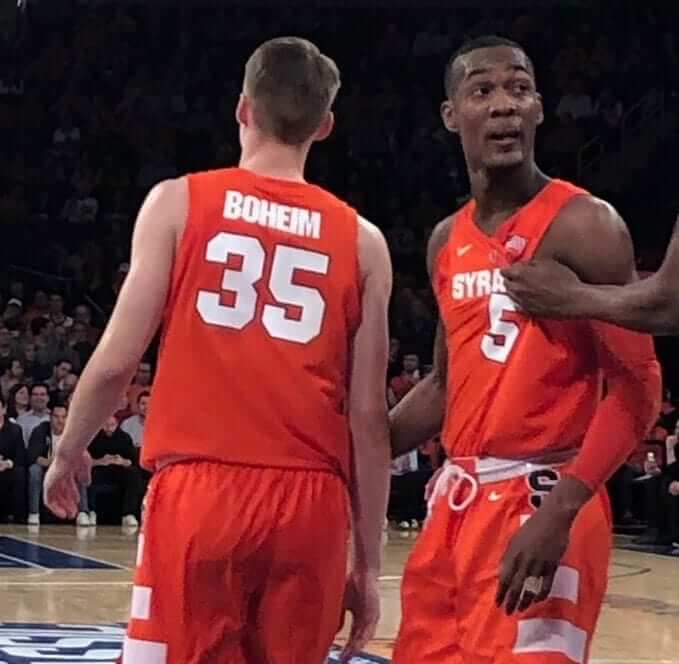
(543, 288)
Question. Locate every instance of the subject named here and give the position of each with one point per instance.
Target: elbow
(664, 311)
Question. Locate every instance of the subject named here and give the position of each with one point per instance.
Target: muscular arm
(367, 403)
(135, 319)
(419, 416)
(626, 358)
(650, 305)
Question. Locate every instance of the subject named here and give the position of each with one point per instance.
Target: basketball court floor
(65, 594)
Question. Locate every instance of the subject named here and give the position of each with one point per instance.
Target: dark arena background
(101, 100)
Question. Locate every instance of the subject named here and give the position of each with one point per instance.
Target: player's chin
(502, 160)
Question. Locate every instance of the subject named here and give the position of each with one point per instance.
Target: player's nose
(502, 104)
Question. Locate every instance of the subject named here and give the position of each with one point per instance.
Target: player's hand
(674, 489)
(533, 553)
(62, 482)
(362, 600)
(543, 288)
(4, 465)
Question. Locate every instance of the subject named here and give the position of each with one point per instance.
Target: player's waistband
(461, 477)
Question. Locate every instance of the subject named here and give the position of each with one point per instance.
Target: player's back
(264, 302)
(517, 387)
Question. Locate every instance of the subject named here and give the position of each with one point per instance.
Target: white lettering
(233, 205)
(283, 218)
(267, 214)
(253, 210)
(481, 283)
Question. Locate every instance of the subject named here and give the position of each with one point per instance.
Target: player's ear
(326, 127)
(541, 110)
(242, 110)
(449, 116)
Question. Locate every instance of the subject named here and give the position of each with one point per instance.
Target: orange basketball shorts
(239, 565)
(449, 586)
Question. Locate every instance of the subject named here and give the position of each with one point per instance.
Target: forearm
(645, 306)
(419, 416)
(369, 487)
(96, 398)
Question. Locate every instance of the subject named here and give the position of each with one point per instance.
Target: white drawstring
(450, 482)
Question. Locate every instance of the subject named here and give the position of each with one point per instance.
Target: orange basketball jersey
(264, 302)
(517, 387)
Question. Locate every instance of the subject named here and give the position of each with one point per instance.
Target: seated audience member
(13, 374)
(400, 385)
(18, 402)
(38, 412)
(142, 383)
(60, 370)
(43, 441)
(134, 425)
(115, 464)
(12, 469)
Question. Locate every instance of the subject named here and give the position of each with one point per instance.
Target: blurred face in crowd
(60, 334)
(22, 397)
(17, 290)
(494, 107)
(143, 374)
(411, 363)
(29, 352)
(5, 337)
(79, 333)
(40, 300)
(39, 398)
(70, 383)
(17, 370)
(110, 426)
(82, 315)
(58, 420)
(62, 370)
(3, 409)
(143, 405)
(56, 304)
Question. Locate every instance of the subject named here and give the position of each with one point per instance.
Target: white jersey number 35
(241, 283)
(498, 342)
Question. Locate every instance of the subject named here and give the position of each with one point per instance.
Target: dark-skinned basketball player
(547, 288)
(512, 563)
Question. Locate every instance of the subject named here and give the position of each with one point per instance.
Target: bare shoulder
(373, 252)
(437, 240)
(589, 236)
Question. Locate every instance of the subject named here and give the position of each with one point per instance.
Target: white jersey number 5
(498, 342)
(240, 283)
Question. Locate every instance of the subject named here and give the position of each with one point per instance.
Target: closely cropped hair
(292, 86)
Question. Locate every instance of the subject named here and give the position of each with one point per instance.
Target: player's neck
(271, 160)
(499, 193)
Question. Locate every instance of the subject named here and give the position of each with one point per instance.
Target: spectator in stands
(60, 370)
(115, 464)
(134, 425)
(394, 368)
(38, 412)
(142, 383)
(40, 307)
(80, 343)
(43, 441)
(83, 315)
(13, 375)
(18, 402)
(406, 380)
(56, 314)
(576, 103)
(12, 316)
(65, 390)
(407, 506)
(8, 347)
(12, 469)
(33, 370)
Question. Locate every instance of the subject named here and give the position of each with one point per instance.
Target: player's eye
(481, 91)
(521, 87)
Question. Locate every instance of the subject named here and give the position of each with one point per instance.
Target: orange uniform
(522, 394)
(243, 553)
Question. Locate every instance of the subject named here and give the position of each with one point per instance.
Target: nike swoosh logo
(494, 496)
(461, 251)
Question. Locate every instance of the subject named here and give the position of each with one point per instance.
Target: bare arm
(367, 402)
(136, 317)
(419, 416)
(546, 288)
